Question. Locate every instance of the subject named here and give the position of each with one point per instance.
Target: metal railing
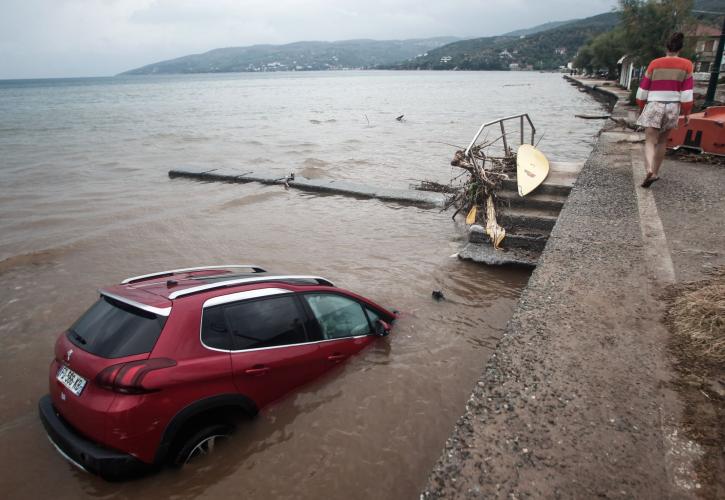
(242, 281)
(503, 130)
(171, 272)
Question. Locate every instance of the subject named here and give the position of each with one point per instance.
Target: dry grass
(697, 317)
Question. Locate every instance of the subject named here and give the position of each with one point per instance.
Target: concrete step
(511, 185)
(533, 200)
(525, 238)
(486, 254)
(516, 237)
(531, 218)
(561, 178)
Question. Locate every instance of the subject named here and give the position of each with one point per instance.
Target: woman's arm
(686, 96)
(644, 85)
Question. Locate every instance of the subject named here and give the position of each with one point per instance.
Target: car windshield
(112, 329)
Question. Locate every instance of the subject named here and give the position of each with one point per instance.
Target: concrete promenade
(578, 400)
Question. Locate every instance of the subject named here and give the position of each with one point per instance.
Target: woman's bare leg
(660, 151)
(651, 139)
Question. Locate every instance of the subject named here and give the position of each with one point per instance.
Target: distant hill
(545, 49)
(714, 20)
(538, 29)
(300, 56)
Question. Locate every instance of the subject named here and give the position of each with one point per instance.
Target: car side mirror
(382, 329)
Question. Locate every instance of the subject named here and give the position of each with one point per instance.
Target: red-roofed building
(707, 40)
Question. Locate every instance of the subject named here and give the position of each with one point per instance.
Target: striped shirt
(668, 79)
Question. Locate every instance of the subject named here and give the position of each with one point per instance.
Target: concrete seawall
(404, 196)
(576, 401)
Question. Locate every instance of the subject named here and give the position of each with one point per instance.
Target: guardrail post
(522, 130)
(503, 135)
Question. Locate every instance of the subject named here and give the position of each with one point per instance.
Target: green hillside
(544, 50)
(299, 56)
(711, 6)
(537, 29)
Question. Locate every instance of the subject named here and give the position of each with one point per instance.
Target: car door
(341, 323)
(270, 353)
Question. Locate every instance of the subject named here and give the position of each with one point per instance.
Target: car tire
(199, 443)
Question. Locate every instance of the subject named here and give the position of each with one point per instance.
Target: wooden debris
(494, 231)
(624, 123)
(435, 187)
(477, 186)
(486, 174)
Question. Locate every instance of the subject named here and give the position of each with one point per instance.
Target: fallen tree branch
(624, 123)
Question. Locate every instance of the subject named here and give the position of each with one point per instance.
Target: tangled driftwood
(486, 175)
(479, 186)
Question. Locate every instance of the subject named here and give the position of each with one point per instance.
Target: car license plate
(74, 382)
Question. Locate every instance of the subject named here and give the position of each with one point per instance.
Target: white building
(626, 74)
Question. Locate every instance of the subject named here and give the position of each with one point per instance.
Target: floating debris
(479, 188)
(493, 230)
(485, 177)
(435, 187)
(695, 157)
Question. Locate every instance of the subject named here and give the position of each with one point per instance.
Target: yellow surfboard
(532, 167)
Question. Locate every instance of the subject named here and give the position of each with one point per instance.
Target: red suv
(159, 368)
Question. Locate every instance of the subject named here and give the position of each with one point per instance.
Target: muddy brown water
(85, 202)
(370, 429)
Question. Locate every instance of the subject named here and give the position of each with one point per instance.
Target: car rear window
(112, 329)
(214, 329)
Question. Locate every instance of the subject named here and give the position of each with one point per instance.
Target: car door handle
(257, 370)
(336, 357)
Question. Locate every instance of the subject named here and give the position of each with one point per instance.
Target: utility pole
(715, 70)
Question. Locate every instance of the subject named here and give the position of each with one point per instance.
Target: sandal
(651, 178)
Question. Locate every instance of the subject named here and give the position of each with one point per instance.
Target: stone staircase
(528, 220)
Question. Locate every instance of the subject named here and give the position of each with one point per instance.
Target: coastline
(577, 399)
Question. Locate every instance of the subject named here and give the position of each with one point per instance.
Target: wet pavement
(579, 398)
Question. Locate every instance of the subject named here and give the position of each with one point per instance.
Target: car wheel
(200, 443)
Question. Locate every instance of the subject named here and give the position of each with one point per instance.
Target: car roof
(156, 292)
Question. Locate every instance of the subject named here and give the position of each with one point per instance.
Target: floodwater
(85, 201)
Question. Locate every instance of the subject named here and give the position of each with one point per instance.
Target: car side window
(372, 316)
(267, 322)
(338, 316)
(214, 330)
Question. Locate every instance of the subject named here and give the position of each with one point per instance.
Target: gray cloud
(56, 38)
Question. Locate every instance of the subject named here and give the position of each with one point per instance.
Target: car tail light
(127, 378)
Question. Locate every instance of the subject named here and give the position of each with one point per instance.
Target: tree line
(642, 33)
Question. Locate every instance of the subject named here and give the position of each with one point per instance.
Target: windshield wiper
(78, 337)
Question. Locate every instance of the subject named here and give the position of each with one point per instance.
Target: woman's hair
(675, 42)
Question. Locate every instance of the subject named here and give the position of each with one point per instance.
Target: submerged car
(161, 366)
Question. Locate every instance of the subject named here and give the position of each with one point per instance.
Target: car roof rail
(288, 278)
(171, 272)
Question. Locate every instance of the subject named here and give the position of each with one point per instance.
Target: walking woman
(665, 93)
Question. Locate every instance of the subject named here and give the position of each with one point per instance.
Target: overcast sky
(62, 38)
